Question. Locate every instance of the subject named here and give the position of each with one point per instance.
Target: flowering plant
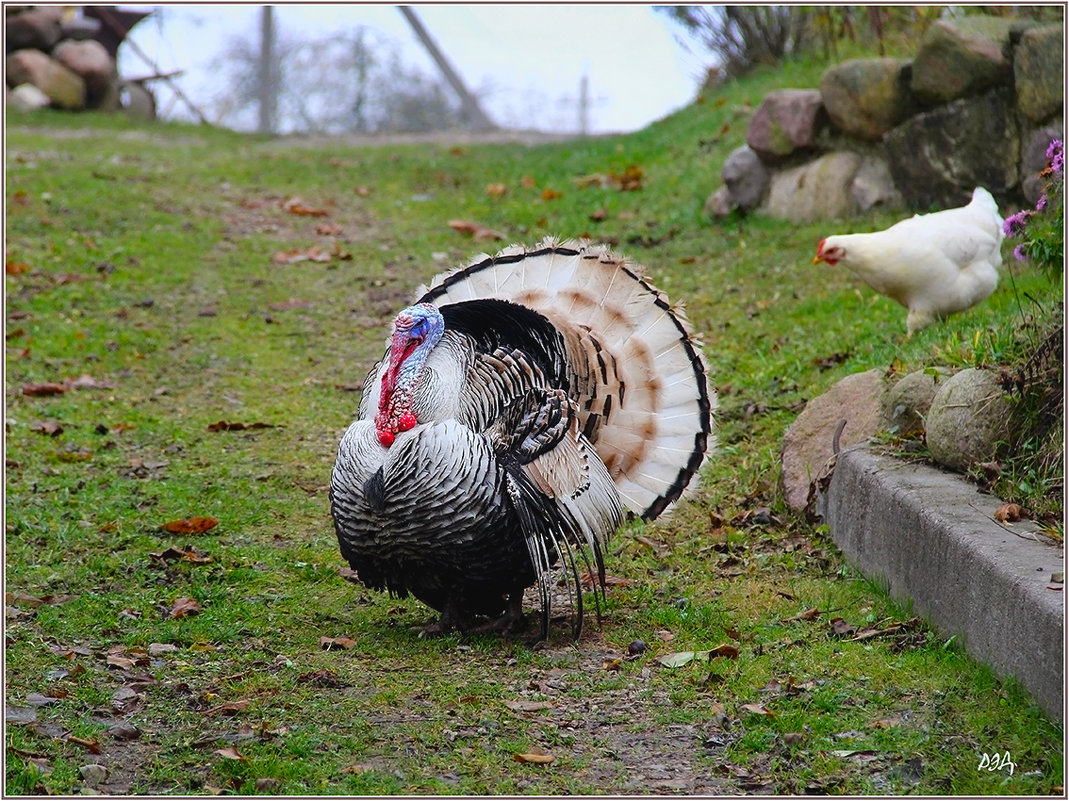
(1042, 230)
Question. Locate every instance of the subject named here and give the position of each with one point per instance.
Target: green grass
(148, 254)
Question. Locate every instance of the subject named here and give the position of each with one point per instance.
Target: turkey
(526, 405)
(933, 264)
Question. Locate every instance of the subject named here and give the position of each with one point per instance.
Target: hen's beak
(817, 259)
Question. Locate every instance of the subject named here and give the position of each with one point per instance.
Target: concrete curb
(928, 537)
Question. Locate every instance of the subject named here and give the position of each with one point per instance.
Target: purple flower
(1014, 224)
(1041, 203)
(1056, 156)
(1019, 254)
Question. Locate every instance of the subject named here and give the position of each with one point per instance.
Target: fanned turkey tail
(629, 359)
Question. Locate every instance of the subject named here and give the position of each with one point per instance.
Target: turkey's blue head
(416, 330)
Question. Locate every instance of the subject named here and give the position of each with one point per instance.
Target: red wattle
(406, 421)
(386, 438)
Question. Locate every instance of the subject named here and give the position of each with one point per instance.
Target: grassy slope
(176, 303)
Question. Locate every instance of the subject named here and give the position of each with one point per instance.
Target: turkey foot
(511, 622)
(450, 619)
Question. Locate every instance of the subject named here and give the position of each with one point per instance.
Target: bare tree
(743, 37)
(347, 83)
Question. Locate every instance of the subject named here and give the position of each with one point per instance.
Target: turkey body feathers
(933, 264)
(527, 402)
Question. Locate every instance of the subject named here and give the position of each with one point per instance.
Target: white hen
(933, 264)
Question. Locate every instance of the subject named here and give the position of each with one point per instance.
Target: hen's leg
(510, 622)
(451, 618)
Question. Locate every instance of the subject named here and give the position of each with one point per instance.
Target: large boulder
(873, 185)
(962, 57)
(38, 28)
(939, 157)
(27, 97)
(905, 405)
(1034, 160)
(64, 88)
(968, 419)
(807, 443)
(868, 97)
(1039, 72)
(745, 177)
(787, 121)
(819, 190)
(93, 64)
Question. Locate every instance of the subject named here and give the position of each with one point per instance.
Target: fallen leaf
(158, 648)
(184, 607)
(550, 194)
(536, 756)
(229, 709)
(497, 190)
(727, 650)
(474, 229)
(1010, 513)
(297, 206)
(756, 709)
(12, 267)
(840, 628)
(328, 229)
(231, 753)
(44, 389)
(599, 214)
(329, 643)
(314, 253)
(190, 525)
(809, 614)
(528, 706)
(223, 425)
(188, 554)
(681, 658)
(92, 746)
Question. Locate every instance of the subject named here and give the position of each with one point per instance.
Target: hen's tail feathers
(633, 364)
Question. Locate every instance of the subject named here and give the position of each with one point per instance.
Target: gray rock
(27, 97)
(868, 97)
(962, 57)
(1039, 72)
(968, 418)
(1034, 160)
(718, 204)
(745, 177)
(873, 185)
(905, 405)
(38, 28)
(137, 101)
(819, 190)
(939, 157)
(807, 443)
(63, 87)
(93, 774)
(787, 121)
(91, 61)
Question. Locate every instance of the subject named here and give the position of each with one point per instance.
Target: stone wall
(976, 106)
(53, 60)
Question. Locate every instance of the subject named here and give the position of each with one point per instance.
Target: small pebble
(637, 647)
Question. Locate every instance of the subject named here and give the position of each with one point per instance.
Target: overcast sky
(521, 60)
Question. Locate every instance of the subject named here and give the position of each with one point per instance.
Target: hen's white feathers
(933, 264)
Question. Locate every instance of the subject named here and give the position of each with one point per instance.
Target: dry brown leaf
(231, 753)
(47, 427)
(223, 425)
(536, 756)
(43, 389)
(92, 746)
(229, 709)
(297, 206)
(550, 194)
(497, 190)
(474, 229)
(809, 614)
(328, 643)
(756, 709)
(190, 525)
(12, 267)
(1010, 513)
(184, 607)
(528, 706)
(727, 650)
(328, 229)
